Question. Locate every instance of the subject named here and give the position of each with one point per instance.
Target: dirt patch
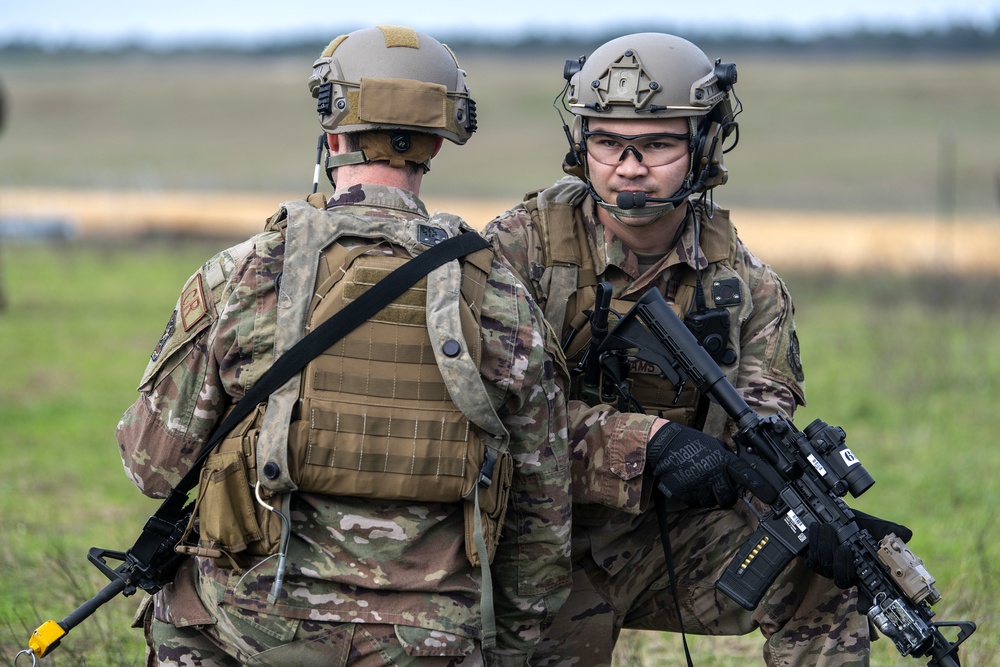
(786, 239)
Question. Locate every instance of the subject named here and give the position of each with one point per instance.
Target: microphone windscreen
(629, 200)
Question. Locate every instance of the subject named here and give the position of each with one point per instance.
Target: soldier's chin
(638, 217)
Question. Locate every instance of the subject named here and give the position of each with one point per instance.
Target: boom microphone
(629, 200)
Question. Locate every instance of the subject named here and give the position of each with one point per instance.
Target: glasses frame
(626, 138)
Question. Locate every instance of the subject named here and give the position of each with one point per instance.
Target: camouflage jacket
(607, 446)
(347, 553)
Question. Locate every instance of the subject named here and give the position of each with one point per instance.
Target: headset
(708, 141)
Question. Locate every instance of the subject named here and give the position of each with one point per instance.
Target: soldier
(382, 481)
(652, 117)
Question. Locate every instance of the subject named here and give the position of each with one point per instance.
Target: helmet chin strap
(637, 217)
(641, 216)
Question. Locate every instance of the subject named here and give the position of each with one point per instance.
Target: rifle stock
(813, 469)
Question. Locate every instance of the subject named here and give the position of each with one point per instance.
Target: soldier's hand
(700, 470)
(827, 557)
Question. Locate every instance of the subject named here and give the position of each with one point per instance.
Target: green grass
(77, 330)
(909, 367)
(833, 134)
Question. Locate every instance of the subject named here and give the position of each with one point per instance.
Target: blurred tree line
(951, 40)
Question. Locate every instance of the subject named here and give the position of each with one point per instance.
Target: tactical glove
(699, 470)
(827, 557)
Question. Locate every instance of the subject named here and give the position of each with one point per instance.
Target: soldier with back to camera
(405, 499)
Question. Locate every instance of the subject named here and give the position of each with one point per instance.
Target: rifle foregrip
(754, 568)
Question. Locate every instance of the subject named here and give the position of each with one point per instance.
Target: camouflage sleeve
(214, 347)
(608, 453)
(515, 237)
(523, 365)
(607, 448)
(770, 377)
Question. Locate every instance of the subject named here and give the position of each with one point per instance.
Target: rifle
(157, 554)
(814, 470)
(149, 565)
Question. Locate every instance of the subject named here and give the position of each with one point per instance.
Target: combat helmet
(402, 84)
(654, 75)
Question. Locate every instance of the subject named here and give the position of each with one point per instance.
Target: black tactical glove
(699, 470)
(826, 556)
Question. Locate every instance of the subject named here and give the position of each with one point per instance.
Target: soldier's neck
(658, 237)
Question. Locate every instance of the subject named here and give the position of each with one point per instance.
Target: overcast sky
(117, 20)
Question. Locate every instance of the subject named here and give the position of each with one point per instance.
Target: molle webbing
(569, 262)
(570, 277)
(571, 268)
(376, 419)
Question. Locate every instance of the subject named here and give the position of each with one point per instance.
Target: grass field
(908, 366)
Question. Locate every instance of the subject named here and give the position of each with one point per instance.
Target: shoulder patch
(795, 358)
(167, 333)
(193, 304)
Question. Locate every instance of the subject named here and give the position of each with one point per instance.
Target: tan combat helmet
(654, 75)
(404, 85)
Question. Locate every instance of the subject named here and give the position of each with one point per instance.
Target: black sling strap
(340, 324)
(163, 522)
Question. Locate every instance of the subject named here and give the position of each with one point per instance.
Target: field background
(871, 184)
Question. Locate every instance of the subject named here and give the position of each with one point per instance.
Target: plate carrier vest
(396, 410)
(570, 276)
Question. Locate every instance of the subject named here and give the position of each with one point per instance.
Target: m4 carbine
(813, 470)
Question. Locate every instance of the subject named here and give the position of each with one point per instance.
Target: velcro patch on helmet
(398, 35)
(403, 102)
(332, 46)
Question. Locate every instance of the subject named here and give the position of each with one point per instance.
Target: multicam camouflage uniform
(621, 577)
(367, 580)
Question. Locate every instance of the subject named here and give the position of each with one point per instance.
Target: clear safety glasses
(653, 150)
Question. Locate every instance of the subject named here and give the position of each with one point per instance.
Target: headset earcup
(717, 173)
(698, 152)
(706, 168)
(573, 163)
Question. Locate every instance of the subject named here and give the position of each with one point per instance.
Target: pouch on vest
(493, 503)
(231, 525)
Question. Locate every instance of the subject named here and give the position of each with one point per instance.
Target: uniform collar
(611, 251)
(379, 196)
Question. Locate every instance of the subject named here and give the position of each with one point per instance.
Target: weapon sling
(138, 569)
